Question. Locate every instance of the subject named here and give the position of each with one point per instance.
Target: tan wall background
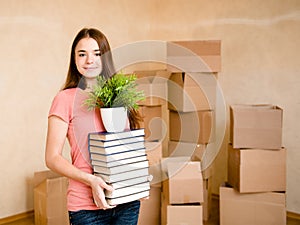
(260, 64)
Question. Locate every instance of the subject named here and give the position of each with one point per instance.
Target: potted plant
(115, 97)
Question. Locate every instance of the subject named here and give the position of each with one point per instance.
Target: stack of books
(120, 160)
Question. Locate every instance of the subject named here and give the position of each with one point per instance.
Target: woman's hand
(98, 186)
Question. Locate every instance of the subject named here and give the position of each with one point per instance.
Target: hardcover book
(120, 192)
(119, 162)
(105, 136)
(117, 156)
(110, 143)
(124, 176)
(128, 198)
(121, 168)
(117, 148)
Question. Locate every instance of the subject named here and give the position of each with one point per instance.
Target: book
(129, 182)
(105, 136)
(123, 176)
(128, 198)
(121, 168)
(117, 156)
(119, 162)
(110, 143)
(128, 190)
(117, 148)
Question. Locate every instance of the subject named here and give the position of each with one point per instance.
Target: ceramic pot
(114, 119)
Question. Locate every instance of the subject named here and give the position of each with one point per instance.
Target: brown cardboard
(153, 122)
(192, 150)
(50, 201)
(150, 211)
(194, 56)
(184, 214)
(154, 88)
(185, 183)
(154, 155)
(195, 127)
(257, 170)
(154, 152)
(266, 208)
(188, 92)
(207, 196)
(256, 126)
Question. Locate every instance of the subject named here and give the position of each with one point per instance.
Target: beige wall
(260, 64)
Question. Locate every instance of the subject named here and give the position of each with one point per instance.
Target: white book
(123, 141)
(121, 168)
(124, 176)
(128, 190)
(117, 156)
(129, 182)
(117, 135)
(119, 162)
(128, 198)
(117, 148)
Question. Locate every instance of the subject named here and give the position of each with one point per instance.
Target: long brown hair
(75, 79)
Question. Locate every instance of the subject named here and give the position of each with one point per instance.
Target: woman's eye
(98, 54)
(81, 55)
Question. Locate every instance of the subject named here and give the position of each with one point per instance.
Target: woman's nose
(90, 58)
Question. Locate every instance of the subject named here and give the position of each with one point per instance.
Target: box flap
(40, 176)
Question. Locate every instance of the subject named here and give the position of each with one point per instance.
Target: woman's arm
(56, 137)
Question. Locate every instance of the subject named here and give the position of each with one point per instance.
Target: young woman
(69, 118)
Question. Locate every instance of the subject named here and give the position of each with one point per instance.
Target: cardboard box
(154, 124)
(154, 155)
(184, 214)
(207, 196)
(195, 127)
(150, 212)
(185, 183)
(256, 126)
(188, 149)
(194, 56)
(154, 85)
(266, 208)
(50, 199)
(189, 92)
(257, 170)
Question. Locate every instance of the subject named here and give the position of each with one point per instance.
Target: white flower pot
(114, 119)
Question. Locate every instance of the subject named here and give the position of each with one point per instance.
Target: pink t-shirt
(68, 105)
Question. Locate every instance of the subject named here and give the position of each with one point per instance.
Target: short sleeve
(62, 106)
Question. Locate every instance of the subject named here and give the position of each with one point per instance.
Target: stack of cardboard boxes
(179, 113)
(182, 195)
(255, 192)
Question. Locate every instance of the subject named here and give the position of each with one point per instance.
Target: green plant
(118, 91)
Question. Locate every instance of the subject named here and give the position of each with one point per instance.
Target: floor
(214, 218)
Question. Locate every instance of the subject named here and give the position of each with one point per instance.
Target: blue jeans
(124, 214)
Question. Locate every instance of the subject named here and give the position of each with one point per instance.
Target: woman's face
(87, 58)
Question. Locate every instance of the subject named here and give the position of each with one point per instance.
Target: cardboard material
(257, 170)
(188, 92)
(256, 126)
(185, 183)
(207, 196)
(194, 127)
(184, 214)
(50, 200)
(154, 155)
(267, 208)
(194, 56)
(154, 85)
(150, 211)
(154, 124)
(192, 150)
